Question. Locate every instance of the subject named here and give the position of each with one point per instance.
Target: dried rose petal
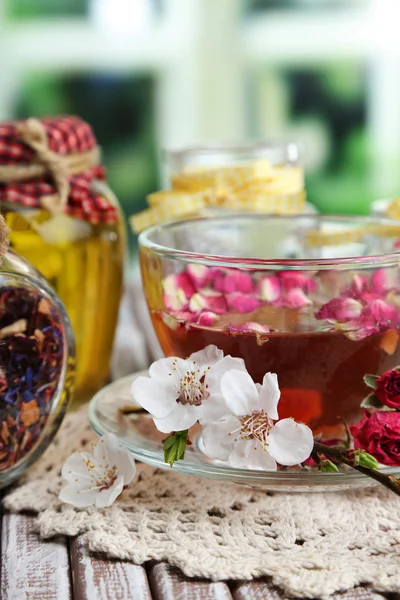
(294, 279)
(178, 281)
(269, 288)
(233, 281)
(242, 303)
(383, 280)
(248, 327)
(340, 309)
(296, 298)
(384, 313)
(175, 301)
(359, 285)
(199, 275)
(199, 302)
(207, 318)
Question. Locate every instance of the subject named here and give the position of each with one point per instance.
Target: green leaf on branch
(371, 401)
(327, 466)
(370, 380)
(175, 446)
(363, 459)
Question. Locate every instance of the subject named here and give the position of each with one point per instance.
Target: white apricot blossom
(251, 436)
(179, 392)
(98, 478)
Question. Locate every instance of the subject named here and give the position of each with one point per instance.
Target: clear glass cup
(37, 365)
(318, 302)
(225, 155)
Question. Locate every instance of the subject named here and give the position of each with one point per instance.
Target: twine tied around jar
(46, 162)
(4, 241)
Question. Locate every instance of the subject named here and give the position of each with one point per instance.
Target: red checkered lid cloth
(70, 142)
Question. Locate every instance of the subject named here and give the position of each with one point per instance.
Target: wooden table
(62, 569)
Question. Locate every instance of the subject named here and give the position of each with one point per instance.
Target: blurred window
(27, 9)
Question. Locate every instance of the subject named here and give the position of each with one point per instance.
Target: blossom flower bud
(364, 459)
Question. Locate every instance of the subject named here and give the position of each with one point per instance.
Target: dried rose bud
(234, 281)
(388, 389)
(178, 281)
(293, 279)
(207, 318)
(340, 309)
(383, 280)
(296, 298)
(242, 303)
(175, 301)
(269, 288)
(384, 313)
(199, 275)
(379, 434)
(199, 302)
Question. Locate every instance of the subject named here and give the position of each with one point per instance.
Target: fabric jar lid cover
(51, 163)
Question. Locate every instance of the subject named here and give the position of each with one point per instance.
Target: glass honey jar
(65, 220)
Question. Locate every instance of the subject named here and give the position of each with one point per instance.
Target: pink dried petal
(382, 280)
(396, 244)
(199, 275)
(207, 318)
(359, 329)
(177, 320)
(359, 285)
(242, 303)
(340, 309)
(248, 327)
(178, 281)
(219, 279)
(209, 293)
(296, 298)
(236, 281)
(384, 313)
(269, 288)
(233, 280)
(294, 279)
(216, 304)
(175, 301)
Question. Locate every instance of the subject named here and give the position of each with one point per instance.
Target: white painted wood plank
(168, 583)
(32, 568)
(95, 578)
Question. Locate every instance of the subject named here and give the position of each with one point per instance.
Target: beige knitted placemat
(312, 545)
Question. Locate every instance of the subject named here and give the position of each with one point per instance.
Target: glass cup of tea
(315, 299)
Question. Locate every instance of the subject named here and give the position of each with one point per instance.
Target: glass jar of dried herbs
(37, 365)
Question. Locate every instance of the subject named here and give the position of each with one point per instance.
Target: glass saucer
(136, 431)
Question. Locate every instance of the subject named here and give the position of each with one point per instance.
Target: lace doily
(312, 545)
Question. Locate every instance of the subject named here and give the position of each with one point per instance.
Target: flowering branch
(357, 459)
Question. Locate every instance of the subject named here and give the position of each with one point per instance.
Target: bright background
(150, 74)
